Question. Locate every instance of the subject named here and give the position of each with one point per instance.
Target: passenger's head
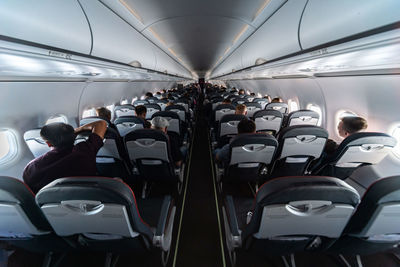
(103, 113)
(241, 92)
(268, 97)
(246, 126)
(226, 101)
(141, 111)
(277, 100)
(58, 135)
(350, 125)
(148, 94)
(241, 109)
(159, 123)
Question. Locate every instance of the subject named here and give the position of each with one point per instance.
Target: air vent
(135, 64)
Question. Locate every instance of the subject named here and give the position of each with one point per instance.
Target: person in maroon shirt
(65, 159)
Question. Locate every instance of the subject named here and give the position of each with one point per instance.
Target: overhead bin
(277, 37)
(325, 20)
(61, 24)
(165, 64)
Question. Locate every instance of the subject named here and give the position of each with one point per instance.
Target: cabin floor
(198, 238)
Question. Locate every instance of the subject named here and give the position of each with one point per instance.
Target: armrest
(163, 235)
(232, 218)
(162, 220)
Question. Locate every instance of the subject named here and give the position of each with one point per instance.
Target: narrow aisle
(199, 242)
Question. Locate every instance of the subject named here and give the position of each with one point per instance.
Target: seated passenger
(148, 94)
(105, 114)
(268, 97)
(277, 100)
(241, 109)
(245, 126)
(242, 92)
(140, 112)
(226, 101)
(160, 123)
(65, 159)
(346, 127)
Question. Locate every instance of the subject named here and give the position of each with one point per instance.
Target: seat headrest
(257, 138)
(170, 114)
(293, 131)
(295, 188)
(140, 102)
(232, 117)
(224, 106)
(154, 106)
(90, 119)
(146, 133)
(133, 119)
(267, 112)
(179, 107)
(252, 104)
(125, 106)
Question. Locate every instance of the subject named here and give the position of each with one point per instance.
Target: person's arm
(98, 127)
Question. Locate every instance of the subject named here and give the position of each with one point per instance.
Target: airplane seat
(268, 120)
(238, 100)
(126, 124)
(140, 102)
(298, 146)
(374, 227)
(103, 214)
(162, 103)
(35, 142)
(111, 159)
(289, 215)
(151, 109)
(249, 158)
(150, 153)
(222, 110)
(183, 102)
(228, 128)
(151, 99)
(262, 101)
(217, 100)
(281, 107)
(175, 125)
(180, 110)
(252, 108)
(302, 117)
(22, 223)
(355, 151)
(124, 110)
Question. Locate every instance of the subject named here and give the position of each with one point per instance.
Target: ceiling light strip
(133, 12)
(245, 27)
(262, 7)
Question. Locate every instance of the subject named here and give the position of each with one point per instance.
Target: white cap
(159, 122)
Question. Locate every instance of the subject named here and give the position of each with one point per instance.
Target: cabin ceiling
(198, 34)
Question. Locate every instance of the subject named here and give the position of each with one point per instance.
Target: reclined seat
(140, 102)
(252, 108)
(228, 128)
(281, 107)
(35, 142)
(149, 152)
(249, 158)
(102, 214)
(23, 224)
(358, 149)
(151, 109)
(374, 226)
(268, 120)
(262, 101)
(289, 214)
(126, 124)
(298, 147)
(302, 117)
(124, 110)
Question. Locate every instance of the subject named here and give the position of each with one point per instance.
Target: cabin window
(124, 101)
(396, 134)
(317, 109)
(89, 113)
(293, 106)
(57, 118)
(8, 146)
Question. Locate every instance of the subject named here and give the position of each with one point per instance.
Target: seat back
(358, 149)
(228, 124)
(140, 102)
(281, 107)
(238, 101)
(173, 119)
(126, 124)
(151, 109)
(95, 207)
(303, 117)
(262, 101)
(162, 103)
(182, 102)
(152, 99)
(91, 119)
(252, 108)
(35, 143)
(268, 120)
(302, 206)
(222, 110)
(298, 146)
(124, 110)
(178, 109)
(216, 101)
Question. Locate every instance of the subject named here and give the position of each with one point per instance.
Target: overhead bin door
(326, 20)
(56, 23)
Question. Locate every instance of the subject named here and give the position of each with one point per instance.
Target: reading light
(133, 12)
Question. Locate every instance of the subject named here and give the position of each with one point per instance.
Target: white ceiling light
(262, 7)
(133, 12)
(243, 30)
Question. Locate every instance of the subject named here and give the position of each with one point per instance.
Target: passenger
(268, 97)
(141, 112)
(242, 92)
(148, 94)
(245, 126)
(65, 159)
(241, 109)
(160, 123)
(105, 114)
(277, 100)
(346, 127)
(226, 101)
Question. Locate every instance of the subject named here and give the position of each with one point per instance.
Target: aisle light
(133, 12)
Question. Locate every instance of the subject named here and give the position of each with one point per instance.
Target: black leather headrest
(170, 114)
(224, 106)
(179, 107)
(125, 106)
(267, 112)
(133, 119)
(146, 133)
(257, 138)
(232, 117)
(293, 131)
(155, 106)
(252, 104)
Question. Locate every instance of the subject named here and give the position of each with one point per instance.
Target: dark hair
(354, 124)
(103, 113)
(246, 126)
(140, 110)
(227, 100)
(149, 94)
(276, 100)
(59, 134)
